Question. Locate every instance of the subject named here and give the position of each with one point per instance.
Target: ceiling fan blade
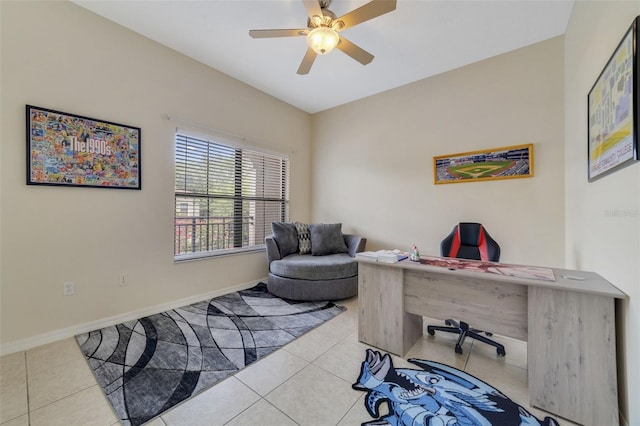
(279, 33)
(307, 61)
(313, 8)
(368, 11)
(354, 51)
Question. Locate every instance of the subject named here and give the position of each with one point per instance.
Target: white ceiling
(419, 39)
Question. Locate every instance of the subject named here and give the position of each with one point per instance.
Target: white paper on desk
(371, 255)
(387, 258)
(384, 256)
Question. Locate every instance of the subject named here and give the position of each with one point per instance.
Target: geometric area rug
(435, 394)
(149, 365)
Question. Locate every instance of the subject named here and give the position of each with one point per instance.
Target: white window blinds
(225, 197)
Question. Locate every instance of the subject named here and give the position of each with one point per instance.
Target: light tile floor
(308, 382)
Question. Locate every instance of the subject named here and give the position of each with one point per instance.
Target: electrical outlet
(124, 279)
(69, 288)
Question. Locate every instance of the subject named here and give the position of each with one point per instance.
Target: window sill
(189, 257)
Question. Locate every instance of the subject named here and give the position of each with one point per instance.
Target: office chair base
(463, 330)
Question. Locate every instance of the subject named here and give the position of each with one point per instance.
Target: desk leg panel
(572, 355)
(382, 320)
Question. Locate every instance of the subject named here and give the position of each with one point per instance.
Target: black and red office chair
(468, 241)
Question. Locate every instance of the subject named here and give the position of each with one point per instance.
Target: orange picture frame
(488, 164)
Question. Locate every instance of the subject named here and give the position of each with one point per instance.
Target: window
(226, 197)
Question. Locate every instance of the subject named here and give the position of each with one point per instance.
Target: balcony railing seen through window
(207, 233)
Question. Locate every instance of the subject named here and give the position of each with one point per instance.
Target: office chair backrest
(470, 241)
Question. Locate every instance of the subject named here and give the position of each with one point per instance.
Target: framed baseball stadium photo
(71, 150)
(489, 164)
(613, 112)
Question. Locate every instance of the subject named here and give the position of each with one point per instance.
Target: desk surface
(592, 282)
(569, 325)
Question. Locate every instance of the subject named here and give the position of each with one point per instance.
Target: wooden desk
(569, 326)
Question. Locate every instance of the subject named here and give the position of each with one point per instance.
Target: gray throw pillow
(327, 239)
(304, 238)
(286, 237)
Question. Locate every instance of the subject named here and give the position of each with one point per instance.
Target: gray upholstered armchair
(328, 271)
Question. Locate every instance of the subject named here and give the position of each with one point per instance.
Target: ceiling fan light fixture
(323, 27)
(323, 40)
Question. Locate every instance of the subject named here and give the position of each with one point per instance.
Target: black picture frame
(613, 110)
(66, 149)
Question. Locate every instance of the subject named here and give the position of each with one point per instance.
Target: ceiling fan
(323, 27)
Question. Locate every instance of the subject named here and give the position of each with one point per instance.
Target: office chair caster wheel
(501, 352)
(458, 349)
(488, 333)
(431, 332)
(448, 323)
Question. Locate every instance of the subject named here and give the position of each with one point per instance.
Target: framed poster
(71, 150)
(613, 110)
(488, 164)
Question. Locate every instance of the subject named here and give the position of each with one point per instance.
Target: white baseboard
(64, 333)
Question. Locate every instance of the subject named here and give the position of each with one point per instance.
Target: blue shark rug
(149, 365)
(436, 395)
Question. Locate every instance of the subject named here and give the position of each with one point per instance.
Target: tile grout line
(349, 410)
(262, 398)
(466, 361)
(309, 363)
(26, 379)
(62, 398)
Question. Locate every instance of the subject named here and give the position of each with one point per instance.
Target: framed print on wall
(488, 164)
(613, 110)
(71, 150)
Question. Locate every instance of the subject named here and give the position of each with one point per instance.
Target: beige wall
(60, 56)
(602, 217)
(371, 169)
(372, 159)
